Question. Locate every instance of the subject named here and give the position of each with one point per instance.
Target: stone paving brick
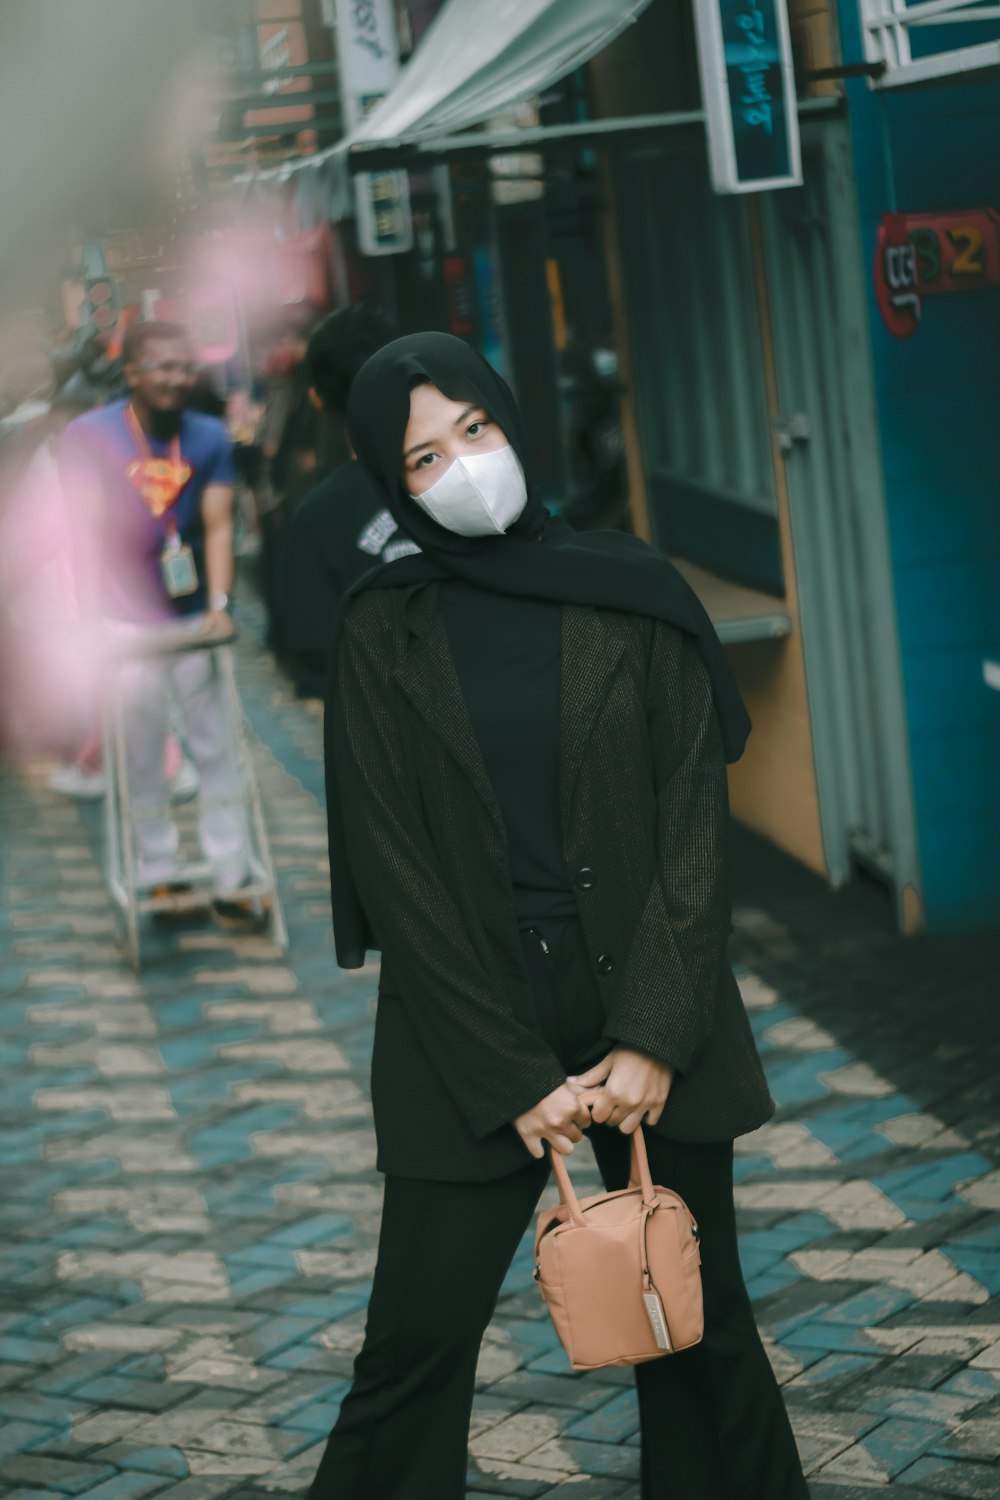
(31, 1352)
(844, 1489)
(865, 1309)
(32, 1495)
(167, 1461)
(513, 1479)
(914, 1370)
(979, 1437)
(588, 1489)
(66, 1476)
(617, 1420)
(22, 1437)
(576, 1456)
(938, 1406)
(980, 1385)
(65, 1377)
(965, 1481)
(822, 1435)
(887, 1450)
(830, 1374)
(127, 1487)
(517, 1435)
(526, 1386)
(123, 1391)
(203, 1489)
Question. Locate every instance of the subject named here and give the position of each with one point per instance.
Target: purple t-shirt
(96, 451)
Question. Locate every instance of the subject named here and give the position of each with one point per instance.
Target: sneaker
(74, 780)
(186, 783)
(172, 916)
(237, 913)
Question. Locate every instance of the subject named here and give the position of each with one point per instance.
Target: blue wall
(939, 408)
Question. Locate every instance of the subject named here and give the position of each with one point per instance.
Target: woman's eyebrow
(431, 441)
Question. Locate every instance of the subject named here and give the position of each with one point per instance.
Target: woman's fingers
(532, 1143)
(627, 1114)
(595, 1075)
(603, 1108)
(560, 1143)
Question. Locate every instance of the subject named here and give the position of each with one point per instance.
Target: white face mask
(478, 496)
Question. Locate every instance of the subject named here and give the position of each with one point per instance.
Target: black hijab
(539, 557)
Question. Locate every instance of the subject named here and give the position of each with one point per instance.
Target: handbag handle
(639, 1176)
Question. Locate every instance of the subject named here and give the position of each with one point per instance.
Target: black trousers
(713, 1422)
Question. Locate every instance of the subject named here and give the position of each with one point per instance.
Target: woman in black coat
(527, 736)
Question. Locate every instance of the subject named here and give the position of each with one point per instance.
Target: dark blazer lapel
(428, 677)
(591, 651)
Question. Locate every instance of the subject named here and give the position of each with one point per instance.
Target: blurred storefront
(810, 467)
(756, 440)
(926, 147)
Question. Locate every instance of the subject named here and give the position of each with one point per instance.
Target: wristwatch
(218, 602)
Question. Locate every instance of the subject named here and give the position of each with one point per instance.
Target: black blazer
(645, 820)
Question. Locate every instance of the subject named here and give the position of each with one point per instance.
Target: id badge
(180, 576)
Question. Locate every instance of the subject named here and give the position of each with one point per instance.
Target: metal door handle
(791, 429)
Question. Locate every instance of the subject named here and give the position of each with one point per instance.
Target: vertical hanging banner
(748, 89)
(369, 63)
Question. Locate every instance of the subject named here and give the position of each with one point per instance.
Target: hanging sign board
(924, 255)
(748, 89)
(369, 63)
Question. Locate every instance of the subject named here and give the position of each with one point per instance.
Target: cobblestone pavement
(190, 1206)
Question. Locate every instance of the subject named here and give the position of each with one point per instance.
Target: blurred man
(150, 487)
(292, 450)
(341, 529)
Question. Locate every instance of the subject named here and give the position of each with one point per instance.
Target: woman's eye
(425, 460)
(477, 427)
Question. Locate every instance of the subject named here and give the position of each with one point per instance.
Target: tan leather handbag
(620, 1272)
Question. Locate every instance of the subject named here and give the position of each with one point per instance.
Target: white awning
(477, 59)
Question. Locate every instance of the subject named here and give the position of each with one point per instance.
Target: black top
(507, 654)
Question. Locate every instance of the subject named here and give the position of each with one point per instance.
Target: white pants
(148, 687)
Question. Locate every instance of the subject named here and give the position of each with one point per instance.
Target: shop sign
(923, 255)
(369, 63)
(748, 88)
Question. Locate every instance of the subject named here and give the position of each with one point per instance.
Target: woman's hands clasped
(623, 1089)
(560, 1118)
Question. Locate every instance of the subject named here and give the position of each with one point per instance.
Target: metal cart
(130, 898)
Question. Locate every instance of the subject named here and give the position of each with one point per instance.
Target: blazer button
(585, 878)
(605, 963)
